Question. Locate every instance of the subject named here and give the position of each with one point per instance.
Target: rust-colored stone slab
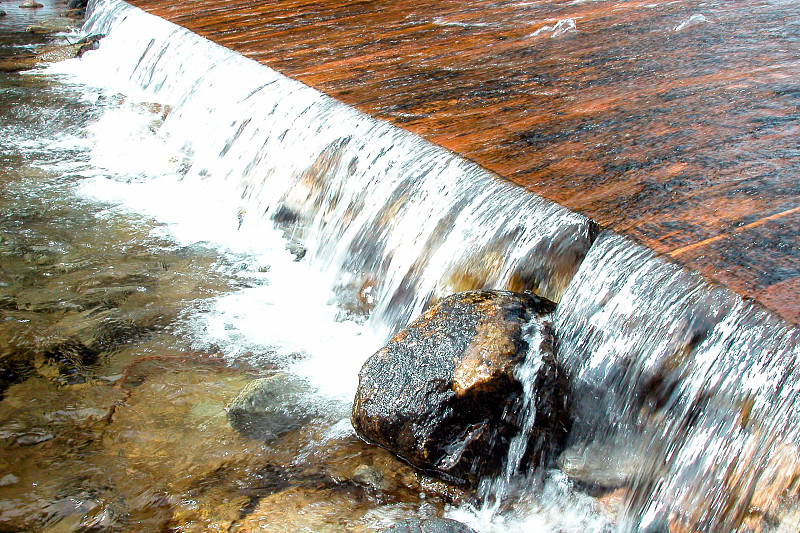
(675, 123)
(754, 260)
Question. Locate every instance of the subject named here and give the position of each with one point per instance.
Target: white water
(214, 146)
(373, 202)
(696, 386)
(227, 143)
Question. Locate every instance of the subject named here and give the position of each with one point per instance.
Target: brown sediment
(682, 136)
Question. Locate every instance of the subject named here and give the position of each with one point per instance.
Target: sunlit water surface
(136, 304)
(178, 221)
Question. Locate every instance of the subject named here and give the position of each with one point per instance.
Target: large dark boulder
(444, 394)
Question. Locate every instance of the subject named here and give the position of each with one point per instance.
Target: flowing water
(178, 222)
(699, 385)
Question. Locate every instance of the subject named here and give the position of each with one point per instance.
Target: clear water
(178, 221)
(691, 387)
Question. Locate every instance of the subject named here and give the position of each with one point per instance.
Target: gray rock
(270, 407)
(54, 25)
(35, 436)
(601, 465)
(431, 525)
(30, 4)
(443, 394)
(8, 479)
(2, 13)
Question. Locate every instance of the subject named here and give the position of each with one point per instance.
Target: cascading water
(689, 388)
(402, 218)
(686, 391)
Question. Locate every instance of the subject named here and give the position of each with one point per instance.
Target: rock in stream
(432, 525)
(444, 394)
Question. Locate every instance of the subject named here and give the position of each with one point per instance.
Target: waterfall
(691, 386)
(694, 385)
(391, 216)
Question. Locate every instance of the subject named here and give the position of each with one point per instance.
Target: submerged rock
(303, 509)
(270, 407)
(431, 525)
(188, 464)
(600, 465)
(50, 54)
(26, 350)
(30, 4)
(53, 25)
(443, 394)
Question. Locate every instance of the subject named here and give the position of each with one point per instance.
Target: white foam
(695, 20)
(549, 505)
(559, 28)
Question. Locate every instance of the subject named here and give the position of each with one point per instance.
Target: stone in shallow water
(443, 394)
(169, 452)
(51, 54)
(30, 4)
(326, 510)
(432, 525)
(601, 465)
(50, 434)
(269, 407)
(53, 25)
(25, 348)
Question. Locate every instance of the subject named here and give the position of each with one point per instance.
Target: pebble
(32, 438)
(8, 479)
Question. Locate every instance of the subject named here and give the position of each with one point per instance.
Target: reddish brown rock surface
(673, 123)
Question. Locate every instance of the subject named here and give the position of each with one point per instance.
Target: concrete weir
(672, 123)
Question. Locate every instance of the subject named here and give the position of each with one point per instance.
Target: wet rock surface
(443, 393)
(269, 407)
(432, 525)
(50, 54)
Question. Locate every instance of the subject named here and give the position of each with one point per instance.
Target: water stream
(178, 221)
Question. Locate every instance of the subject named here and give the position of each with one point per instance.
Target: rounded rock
(431, 525)
(269, 407)
(443, 394)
